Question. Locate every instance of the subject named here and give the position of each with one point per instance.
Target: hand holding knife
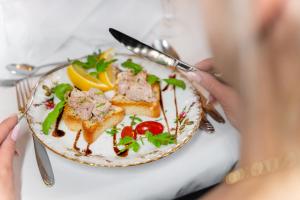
(154, 55)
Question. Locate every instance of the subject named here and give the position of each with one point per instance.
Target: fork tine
(27, 89)
(18, 96)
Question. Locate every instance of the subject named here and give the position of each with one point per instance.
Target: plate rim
(160, 156)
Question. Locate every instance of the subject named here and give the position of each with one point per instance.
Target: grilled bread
(92, 128)
(150, 109)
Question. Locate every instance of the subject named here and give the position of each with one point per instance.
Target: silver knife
(148, 52)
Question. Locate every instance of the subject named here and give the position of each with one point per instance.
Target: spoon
(27, 69)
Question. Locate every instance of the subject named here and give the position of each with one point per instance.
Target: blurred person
(256, 46)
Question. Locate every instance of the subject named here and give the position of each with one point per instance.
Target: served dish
(114, 111)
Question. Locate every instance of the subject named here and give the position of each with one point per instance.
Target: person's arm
(8, 136)
(225, 95)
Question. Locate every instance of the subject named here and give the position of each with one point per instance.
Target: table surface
(201, 163)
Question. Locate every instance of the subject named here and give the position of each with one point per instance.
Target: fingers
(6, 126)
(7, 149)
(205, 65)
(213, 86)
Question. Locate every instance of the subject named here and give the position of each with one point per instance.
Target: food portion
(86, 109)
(97, 71)
(91, 112)
(135, 94)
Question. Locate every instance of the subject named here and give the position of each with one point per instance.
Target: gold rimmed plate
(181, 115)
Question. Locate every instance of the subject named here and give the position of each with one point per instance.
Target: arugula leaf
(160, 139)
(92, 59)
(134, 67)
(130, 143)
(114, 130)
(151, 79)
(80, 64)
(94, 74)
(52, 117)
(176, 82)
(125, 140)
(135, 146)
(135, 120)
(102, 65)
(61, 89)
(93, 62)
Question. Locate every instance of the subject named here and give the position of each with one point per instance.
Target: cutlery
(23, 94)
(28, 70)
(148, 52)
(152, 54)
(207, 107)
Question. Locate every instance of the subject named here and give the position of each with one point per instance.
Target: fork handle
(43, 162)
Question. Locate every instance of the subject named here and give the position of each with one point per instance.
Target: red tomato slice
(154, 127)
(128, 131)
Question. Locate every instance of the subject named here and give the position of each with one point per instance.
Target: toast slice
(150, 109)
(71, 119)
(92, 128)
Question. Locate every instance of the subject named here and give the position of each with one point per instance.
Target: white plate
(102, 149)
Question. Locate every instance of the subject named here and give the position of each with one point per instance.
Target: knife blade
(144, 50)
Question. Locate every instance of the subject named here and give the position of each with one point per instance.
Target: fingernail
(13, 115)
(15, 132)
(194, 76)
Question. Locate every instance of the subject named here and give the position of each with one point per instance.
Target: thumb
(7, 149)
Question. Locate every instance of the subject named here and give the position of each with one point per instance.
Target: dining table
(39, 32)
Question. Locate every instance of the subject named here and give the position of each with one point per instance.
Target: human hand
(225, 95)
(8, 136)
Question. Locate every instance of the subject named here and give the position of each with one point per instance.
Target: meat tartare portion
(87, 104)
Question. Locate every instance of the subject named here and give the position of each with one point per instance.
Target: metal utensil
(205, 124)
(23, 93)
(33, 91)
(154, 55)
(148, 52)
(27, 69)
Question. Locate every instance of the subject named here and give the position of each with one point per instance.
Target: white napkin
(39, 31)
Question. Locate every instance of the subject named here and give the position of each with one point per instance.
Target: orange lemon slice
(109, 76)
(81, 79)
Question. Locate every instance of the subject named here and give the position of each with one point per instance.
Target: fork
(23, 91)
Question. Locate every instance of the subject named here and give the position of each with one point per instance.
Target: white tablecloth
(40, 31)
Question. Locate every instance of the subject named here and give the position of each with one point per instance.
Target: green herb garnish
(160, 139)
(52, 116)
(151, 79)
(129, 143)
(93, 62)
(94, 74)
(175, 82)
(135, 120)
(102, 65)
(114, 130)
(134, 67)
(61, 89)
(100, 105)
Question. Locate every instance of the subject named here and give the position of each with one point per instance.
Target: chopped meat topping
(135, 87)
(90, 103)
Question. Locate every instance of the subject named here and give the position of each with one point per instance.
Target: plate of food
(114, 110)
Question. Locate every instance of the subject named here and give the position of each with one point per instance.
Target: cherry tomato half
(128, 131)
(154, 127)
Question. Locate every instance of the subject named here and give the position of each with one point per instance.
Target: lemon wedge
(109, 76)
(81, 79)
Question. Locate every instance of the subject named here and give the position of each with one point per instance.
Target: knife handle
(184, 66)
